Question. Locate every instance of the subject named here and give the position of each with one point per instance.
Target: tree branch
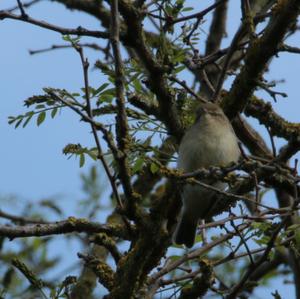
(62, 227)
(261, 51)
(80, 31)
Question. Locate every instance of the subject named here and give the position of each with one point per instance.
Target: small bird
(210, 141)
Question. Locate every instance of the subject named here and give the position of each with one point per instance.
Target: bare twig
(240, 234)
(85, 66)
(193, 254)
(199, 15)
(189, 90)
(57, 47)
(22, 10)
(233, 47)
(237, 288)
(21, 219)
(80, 31)
(217, 29)
(272, 142)
(271, 92)
(290, 49)
(25, 5)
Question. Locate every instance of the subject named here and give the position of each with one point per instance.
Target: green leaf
(137, 85)
(169, 9)
(18, 122)
(70, 39)
(91, 91)
(93, 154)
(110, 91)
(53, 112)
(293, 227)
(262, 226)
(11, 119)
(81, 160)
(50, 103)
(187, 9)
(179, 2)
(27, 120)
(179, 69)
(41, 118)
(138, 165)
(154, 168)
(75, 94)
(198, 238)
(262, 241)
(179, 57)
(107, 98)
(271, 255)
(101, 88)
(67, 38)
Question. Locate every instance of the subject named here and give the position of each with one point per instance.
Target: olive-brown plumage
(210, 141)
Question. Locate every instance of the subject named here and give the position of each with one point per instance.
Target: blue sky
(32, 164)
(32, 161)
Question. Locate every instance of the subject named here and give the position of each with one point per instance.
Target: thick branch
(62, 227)
(217, 29)
(267, 116)
(121, 118)
(260, 52)
(135, 38)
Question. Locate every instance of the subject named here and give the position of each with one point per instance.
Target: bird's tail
(186, 230)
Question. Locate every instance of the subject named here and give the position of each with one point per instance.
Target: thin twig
(57, 47)
(290, 49)
(207, 80)
(199, 15)
(189, 90)
(25, 5)
(21, 219)
(194, 254)
(85, 117)
(243, 241)
(256, 191)
(231, 195)
(233, 47)
(272, 142)
(238, 287)
(22, 10)
(272, 93)
(80, 31)
(85, 66)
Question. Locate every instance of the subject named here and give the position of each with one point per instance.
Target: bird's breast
(208, 145)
